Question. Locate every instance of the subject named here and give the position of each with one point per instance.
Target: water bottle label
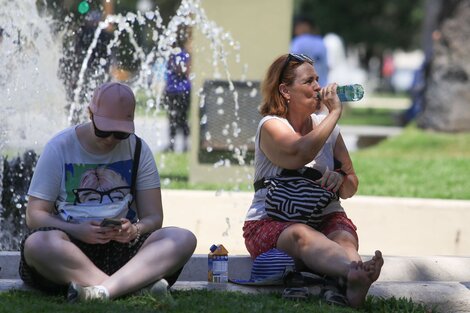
(350, 92)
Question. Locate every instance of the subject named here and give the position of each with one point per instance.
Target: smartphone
(109, 222)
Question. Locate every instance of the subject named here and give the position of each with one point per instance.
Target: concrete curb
(396, 268)
(439, 281)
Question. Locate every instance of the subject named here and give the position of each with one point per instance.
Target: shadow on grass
(197, 301)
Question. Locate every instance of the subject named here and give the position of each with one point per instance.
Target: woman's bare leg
(163, 253)
(336, 259)
(348, 242)
(69, 262)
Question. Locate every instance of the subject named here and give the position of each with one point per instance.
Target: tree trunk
(447, 94)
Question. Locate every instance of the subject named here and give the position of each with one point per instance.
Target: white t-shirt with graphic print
(65, 166)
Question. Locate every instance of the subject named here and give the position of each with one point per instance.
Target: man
(178, 88)
(307, 41)
(93, 162)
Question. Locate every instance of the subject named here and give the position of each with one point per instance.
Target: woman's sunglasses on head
(105, 134)
(297, 57)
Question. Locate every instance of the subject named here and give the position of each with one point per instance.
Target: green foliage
(379, 24)
(197, 301)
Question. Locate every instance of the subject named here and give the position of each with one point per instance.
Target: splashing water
(189, 14)
(34, 99)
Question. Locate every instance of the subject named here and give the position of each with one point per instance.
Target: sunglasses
(296, 57)
(105, 134)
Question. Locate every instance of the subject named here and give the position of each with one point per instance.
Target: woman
(89, 261)
(290, 136)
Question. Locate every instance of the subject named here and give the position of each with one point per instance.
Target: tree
(447, 96)
(374, 24)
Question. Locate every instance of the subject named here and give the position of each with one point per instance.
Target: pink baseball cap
(113, 106)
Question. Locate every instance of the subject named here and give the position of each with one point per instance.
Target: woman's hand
(124, 233)
(331, 180)
(92, 233)
(330, 99)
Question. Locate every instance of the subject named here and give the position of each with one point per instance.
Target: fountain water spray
(34, 99)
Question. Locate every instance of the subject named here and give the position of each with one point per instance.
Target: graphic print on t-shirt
(97, 183)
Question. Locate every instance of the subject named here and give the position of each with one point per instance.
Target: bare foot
(374, 265)
(358, 284)
(360, 278)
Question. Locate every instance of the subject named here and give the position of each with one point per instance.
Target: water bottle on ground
(348, 93)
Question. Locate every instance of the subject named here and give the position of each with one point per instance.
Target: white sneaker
(159, 289)
(77, 293)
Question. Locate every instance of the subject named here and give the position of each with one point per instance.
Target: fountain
(36, 103)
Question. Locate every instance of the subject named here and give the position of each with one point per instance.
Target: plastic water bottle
(350, 92)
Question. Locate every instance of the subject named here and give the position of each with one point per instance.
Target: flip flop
(299, 293)
(333, 297)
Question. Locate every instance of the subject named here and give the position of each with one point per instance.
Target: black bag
(296, 197)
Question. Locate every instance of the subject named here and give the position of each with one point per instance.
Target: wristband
(136, 239)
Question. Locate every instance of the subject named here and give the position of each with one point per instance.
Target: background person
(178, 89)
(290, 136)
(90, 261)
(308, 41)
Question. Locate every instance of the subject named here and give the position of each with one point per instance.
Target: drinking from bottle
(348, 93)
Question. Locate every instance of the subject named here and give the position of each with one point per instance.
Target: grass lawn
(415, 163)
(368, 116)
(196, 301)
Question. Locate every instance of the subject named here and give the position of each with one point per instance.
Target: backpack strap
(135, 164)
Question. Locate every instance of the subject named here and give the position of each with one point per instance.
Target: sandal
(301, 279)
(300, 293)
(333, 297)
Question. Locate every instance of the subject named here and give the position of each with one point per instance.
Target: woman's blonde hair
(279, 72)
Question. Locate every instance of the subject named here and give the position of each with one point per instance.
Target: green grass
(415, 163)
(368, 116)
(174, 174)
(196, 301)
